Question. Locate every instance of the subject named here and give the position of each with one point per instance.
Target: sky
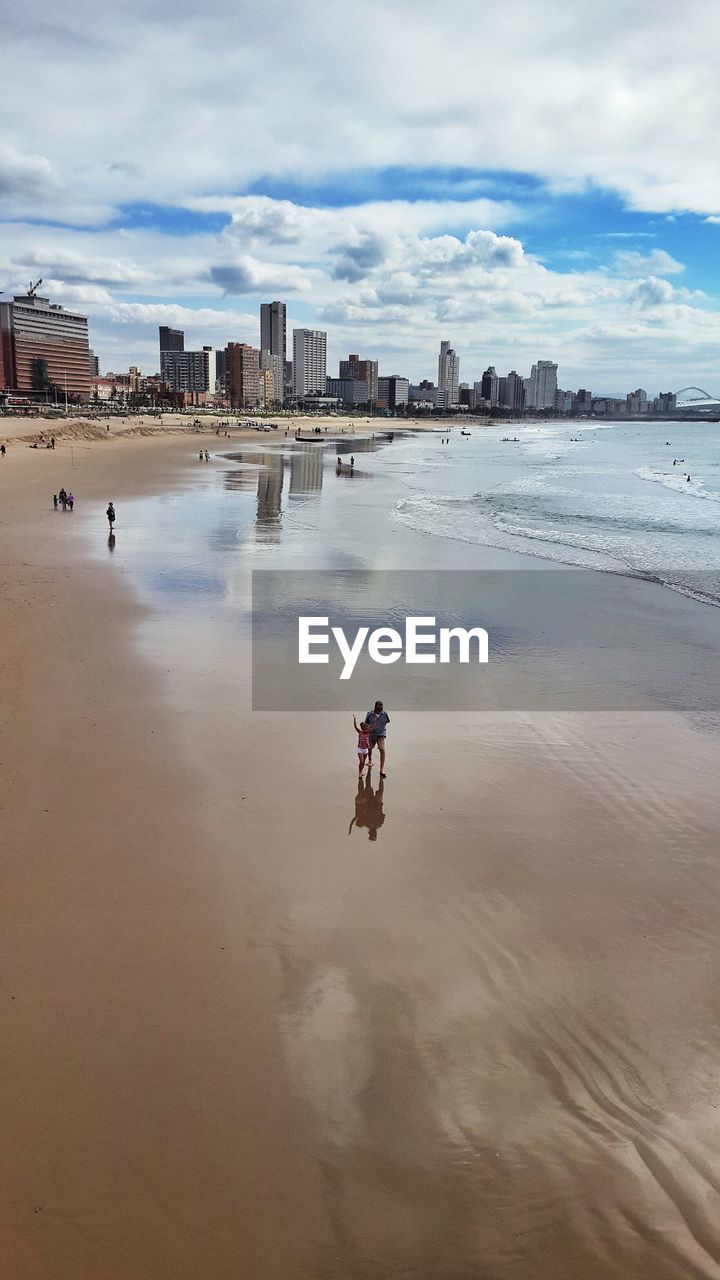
(529, 181)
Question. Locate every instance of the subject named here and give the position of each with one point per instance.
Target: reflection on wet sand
(269, 496)
(267, 471)
(306, 472)
(369, 812)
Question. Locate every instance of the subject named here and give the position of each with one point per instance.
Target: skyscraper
(512, 391)
(543, 385)
(273, 328)
(490, 386)
(448, 375)
(309, 362)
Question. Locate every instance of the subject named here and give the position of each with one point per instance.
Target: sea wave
(678, 483)
(473, 521)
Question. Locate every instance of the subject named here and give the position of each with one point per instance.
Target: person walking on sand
(110, 513)
(55, 501)
(70, 501)
(363, 744)
(63, 498)
(377, 721)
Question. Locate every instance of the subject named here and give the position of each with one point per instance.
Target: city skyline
(569, 213)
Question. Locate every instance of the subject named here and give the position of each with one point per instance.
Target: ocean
(626, 497)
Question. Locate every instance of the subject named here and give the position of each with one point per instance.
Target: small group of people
(372, 732)
(203, 456)
(675, 462)
(352, 462)
(63, 499)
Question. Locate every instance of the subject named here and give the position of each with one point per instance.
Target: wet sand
(258, 1024)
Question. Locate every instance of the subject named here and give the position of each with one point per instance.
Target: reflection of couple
(368, 807)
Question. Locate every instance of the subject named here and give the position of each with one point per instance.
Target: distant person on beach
(70, 501)
(363, 743)
(377, 721)
(207, 456)
(55, 501)
(52, 442)
(352, 461)
(110, 513)
(63, 499)
(2, 450)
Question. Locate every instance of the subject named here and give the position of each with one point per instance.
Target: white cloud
(388, 289)
(25, 176)
(623, 95)
(658, 262)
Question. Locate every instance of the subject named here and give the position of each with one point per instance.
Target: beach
(260, 1023)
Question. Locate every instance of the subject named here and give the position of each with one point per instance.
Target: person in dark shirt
(377, 721)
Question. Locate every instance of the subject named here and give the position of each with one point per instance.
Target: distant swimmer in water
(688, 479)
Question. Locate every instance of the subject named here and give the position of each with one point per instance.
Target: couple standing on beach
(372, 732)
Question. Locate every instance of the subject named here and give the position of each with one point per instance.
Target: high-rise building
(274, 365)
(242, 375)
(44, 346)
(448, 375)
(209, 368)
(362, 371)
(273, 329)
(542, 385)
(350, 391)
(490, 387)
(184, 370)
(94, 365)
(220, 366)
(512, 392)
(171, 339)
(393, 392)
(637, 401)
(309, 362)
